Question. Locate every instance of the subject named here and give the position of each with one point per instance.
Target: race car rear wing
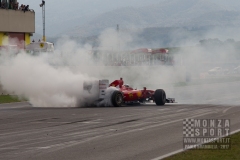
(103, 85)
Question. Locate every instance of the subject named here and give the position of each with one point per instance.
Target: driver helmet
(126, 85)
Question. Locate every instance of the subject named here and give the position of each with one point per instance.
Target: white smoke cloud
(40, 82)
(56, 79)
(111, 39)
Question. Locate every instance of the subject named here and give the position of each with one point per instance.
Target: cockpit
(127, 86)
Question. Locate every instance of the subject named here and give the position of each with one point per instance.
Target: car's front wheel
(160, 97)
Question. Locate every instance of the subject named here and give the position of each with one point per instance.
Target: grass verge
(10, 99)
(230, 154)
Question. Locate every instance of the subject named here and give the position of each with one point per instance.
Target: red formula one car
(101, 93)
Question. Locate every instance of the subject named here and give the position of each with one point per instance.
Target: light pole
(43, 18)
(118, 41)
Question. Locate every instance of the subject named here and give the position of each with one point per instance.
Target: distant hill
(157, 37)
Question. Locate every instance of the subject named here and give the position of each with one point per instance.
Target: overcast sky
(59, 10)
(56, 10)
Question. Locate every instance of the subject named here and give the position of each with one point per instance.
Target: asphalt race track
(144, 132)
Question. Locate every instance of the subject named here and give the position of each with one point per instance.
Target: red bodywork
(133, 95)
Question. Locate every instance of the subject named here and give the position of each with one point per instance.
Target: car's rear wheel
(160, 97)
(117, 99)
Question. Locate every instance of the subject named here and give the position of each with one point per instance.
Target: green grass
(10, 99)
(230, 154)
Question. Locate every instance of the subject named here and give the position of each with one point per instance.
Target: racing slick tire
(117, 98)
(160, 97)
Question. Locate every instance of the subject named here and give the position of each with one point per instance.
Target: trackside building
(16, 27)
